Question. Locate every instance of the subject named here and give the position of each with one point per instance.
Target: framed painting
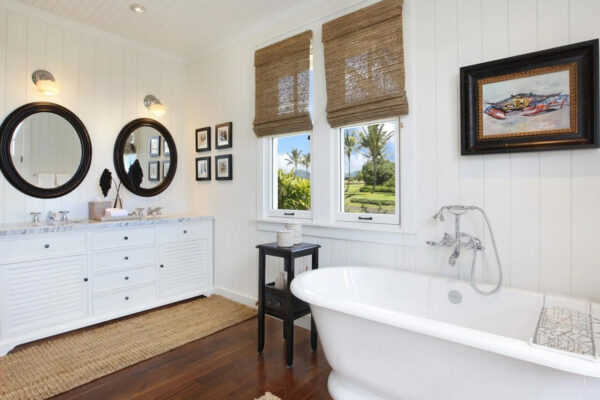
(153, 168)
(224, 135)
(203, 139)
(155, 146)
(203, 169)
(547, 100)
(224, 167)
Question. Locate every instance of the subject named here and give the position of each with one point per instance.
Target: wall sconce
(45, 83)
(154, 105)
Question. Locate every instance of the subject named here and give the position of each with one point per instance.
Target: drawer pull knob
(126, 238)
(126, 278)
(126, 258)
(85, 279)
(126, 297)
(184, 231)
(46, 246)
(162, 266)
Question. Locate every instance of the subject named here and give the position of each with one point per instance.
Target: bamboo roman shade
(364, 65)
(283, 86)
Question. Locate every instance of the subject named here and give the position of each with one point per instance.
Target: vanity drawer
(42, 246)
(123, 299)
(122, 237)
(124, 257)
(124, 278)
(183, 231)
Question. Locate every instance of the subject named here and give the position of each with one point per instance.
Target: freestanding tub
(396, 335)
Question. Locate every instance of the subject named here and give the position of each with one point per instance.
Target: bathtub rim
(502, 345)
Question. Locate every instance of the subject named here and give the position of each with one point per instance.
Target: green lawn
(354, 191)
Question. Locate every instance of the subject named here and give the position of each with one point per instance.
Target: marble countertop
(27, 228)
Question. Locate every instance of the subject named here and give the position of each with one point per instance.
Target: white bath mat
(567, 327)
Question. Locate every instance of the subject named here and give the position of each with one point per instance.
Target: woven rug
(57, 365)
(268, 396)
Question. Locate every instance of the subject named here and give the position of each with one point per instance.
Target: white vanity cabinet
(52, 282)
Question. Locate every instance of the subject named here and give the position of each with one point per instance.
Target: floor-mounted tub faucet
(463, 240)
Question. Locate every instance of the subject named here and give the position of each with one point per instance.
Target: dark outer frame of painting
(208, 172)
(547, 100)
(229, 142)
(208, 139)
(229, 175)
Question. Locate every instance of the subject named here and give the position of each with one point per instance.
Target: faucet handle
(158, 210)
(140, 211)
(36, 216)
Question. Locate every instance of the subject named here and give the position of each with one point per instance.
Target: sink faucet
(463, 240)
(50, 218)
(153, 212)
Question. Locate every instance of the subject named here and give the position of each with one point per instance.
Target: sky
(357, 159)
(286, 144)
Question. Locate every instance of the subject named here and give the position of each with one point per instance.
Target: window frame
(272, 180)
(367, 218)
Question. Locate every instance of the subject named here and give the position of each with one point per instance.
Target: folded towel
(115, 212)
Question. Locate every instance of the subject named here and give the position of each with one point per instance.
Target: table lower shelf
(279, 301)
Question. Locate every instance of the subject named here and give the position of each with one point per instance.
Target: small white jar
(285, 238)
(297, 229)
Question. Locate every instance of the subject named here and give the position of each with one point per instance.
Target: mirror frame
(9, 170)
(120, 149)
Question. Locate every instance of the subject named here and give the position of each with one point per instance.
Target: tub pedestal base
(342, 388)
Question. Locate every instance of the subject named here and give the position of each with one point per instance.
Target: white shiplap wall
(101, 81)
(543, 206)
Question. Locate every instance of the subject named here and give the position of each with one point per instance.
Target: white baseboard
(236, 296)
(250, 301)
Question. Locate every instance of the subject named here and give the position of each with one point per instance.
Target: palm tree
(373, 141)
(349, 147)
(305, 160)
(294, 158)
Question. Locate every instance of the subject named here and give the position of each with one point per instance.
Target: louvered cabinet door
(183, 267)
(43, 293)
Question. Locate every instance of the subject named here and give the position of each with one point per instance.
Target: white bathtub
(395, 335)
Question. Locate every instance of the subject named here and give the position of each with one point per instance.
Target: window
(368, 173)
(291, 176)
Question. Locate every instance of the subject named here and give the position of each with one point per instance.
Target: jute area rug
(57, 365)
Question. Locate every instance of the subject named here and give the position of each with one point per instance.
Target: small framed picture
(224, 168)
(166, 151)
(155, 146)
(165, 168)
(223, 135)
(153, 171)
(203, 139)
(203, 169)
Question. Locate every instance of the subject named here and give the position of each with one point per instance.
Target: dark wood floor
(221, 366)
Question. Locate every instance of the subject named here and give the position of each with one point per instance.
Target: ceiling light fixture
(45, 83)
(154, 105)
(137, 8)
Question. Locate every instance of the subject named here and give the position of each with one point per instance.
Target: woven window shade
(283, 86)
(364, 65)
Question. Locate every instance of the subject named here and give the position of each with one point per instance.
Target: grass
(354, 191)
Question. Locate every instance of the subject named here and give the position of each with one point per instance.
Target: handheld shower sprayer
(462, 239)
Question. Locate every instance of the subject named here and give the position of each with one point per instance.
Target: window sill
(364, 232)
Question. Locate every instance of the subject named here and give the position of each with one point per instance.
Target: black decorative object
(7, 130)
(118, 158)
(547, 100)
(224, 136)
(203, 139)
(135, 175)
(224, 167)
(203, 169)
(281, 303)
(105, 181)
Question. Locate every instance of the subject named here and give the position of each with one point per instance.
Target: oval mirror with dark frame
(145, 157)
(45, 150)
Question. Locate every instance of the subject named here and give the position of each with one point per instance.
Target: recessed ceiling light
(137, 8)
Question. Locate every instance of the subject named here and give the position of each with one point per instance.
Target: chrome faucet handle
(36, 217)
(140, 211)
(64, 216)
(158, 210)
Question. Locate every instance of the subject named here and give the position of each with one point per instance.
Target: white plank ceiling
(183, 27)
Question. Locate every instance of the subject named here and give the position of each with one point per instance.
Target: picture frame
(165, 168)
(224, 167)
(203, 169)
(203, 139)
(153, 171)
(155, 146)
(546, 100)
(224, 136)
(166, 151)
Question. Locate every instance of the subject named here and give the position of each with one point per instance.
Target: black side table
(281, 303)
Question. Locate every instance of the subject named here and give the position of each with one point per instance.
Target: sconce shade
(154, 105)
(45, 83)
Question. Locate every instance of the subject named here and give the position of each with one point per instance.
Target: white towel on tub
(115, 212)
